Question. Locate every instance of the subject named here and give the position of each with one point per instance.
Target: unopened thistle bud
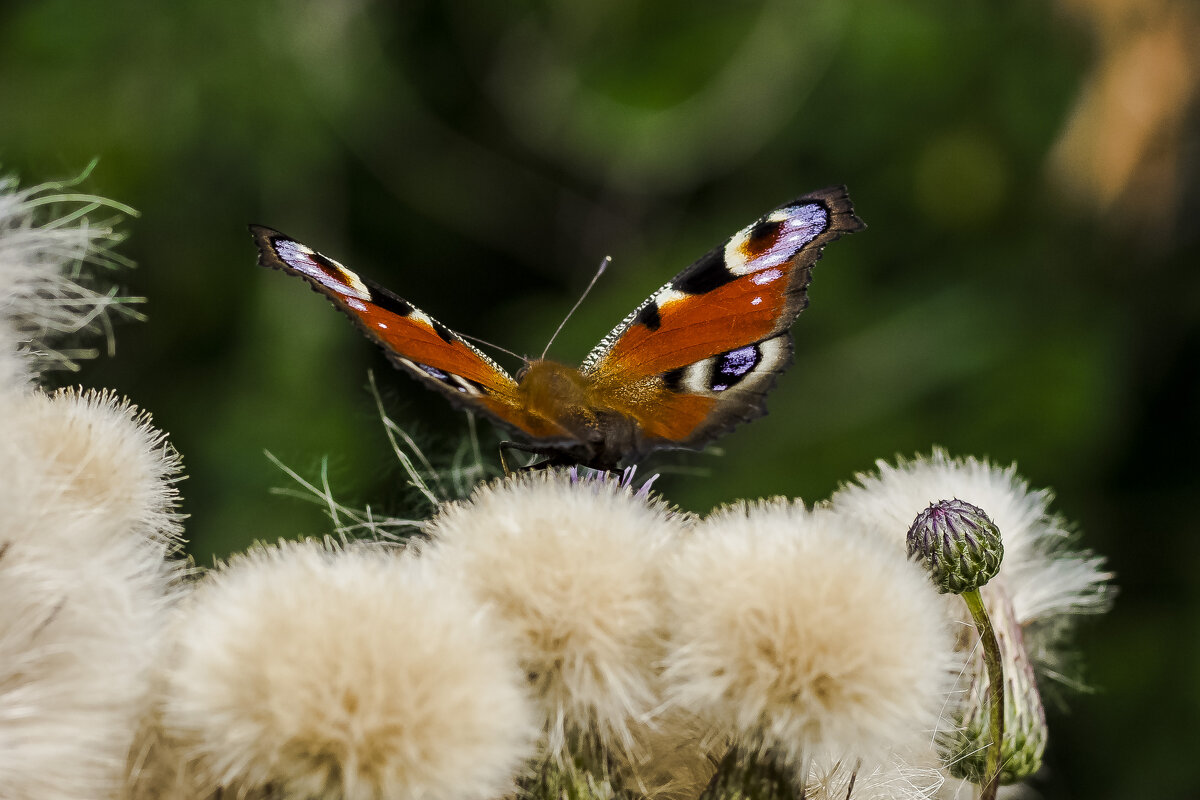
(1025, 731)
(959, 544)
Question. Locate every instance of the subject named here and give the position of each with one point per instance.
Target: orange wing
(413, 341)
(701, 353)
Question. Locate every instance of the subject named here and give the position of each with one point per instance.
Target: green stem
(995, 694)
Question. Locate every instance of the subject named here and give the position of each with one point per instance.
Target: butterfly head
(524, 369)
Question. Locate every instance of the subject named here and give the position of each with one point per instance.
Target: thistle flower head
(799, 635)
(573, 567)
(356, 674)
(958, 543)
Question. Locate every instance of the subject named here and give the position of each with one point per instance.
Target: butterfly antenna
(486, 343)
(599, 271)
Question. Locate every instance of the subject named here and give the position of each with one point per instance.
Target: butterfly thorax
(564, 396)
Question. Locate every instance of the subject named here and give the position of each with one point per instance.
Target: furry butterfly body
(688, 364)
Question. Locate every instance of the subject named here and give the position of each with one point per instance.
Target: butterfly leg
(552, 458)
(518, 447)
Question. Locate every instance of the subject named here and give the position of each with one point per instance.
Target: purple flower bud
(959, 544)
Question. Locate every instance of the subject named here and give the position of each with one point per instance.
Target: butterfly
(687, 365)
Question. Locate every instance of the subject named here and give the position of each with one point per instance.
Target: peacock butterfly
(687, 365)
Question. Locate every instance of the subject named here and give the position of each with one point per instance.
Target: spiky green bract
(958, 544)
(800, 637)
(574, 570)
(357, 674)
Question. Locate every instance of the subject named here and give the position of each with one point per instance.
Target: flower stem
(995, 694)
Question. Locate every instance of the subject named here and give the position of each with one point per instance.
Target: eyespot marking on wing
(324, 270)
(743, 368)
(774, 239)
(730, 368)
(759, 248)
(763, 235)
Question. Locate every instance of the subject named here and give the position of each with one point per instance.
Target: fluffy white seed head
(106, 467)
(574, 568)
(86, 524)
(356, 675)
(808, 638)
(1047, 580)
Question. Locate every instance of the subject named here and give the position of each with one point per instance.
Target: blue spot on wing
(732, 367)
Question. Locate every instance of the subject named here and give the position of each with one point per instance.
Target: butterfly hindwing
(700, 354)
(413, 341)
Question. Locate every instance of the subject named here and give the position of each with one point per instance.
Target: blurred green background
(1027, 289)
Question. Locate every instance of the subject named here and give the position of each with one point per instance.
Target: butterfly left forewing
(701, 353)
(439, 358)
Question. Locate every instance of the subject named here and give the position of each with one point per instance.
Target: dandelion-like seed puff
(355, 674)
(802, 638)
(573, 567)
